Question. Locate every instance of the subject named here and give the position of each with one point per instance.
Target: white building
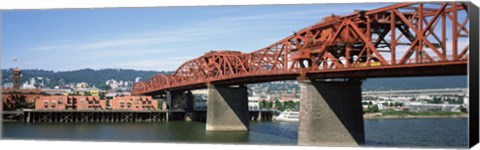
(27, 85)
(423, 97)
(253, 103)
(82, 85)
(423, 106)
(380, 106)
(137, 79)
(465, 99)
(200, 99)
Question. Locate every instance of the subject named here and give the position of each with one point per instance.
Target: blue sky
(159, 38)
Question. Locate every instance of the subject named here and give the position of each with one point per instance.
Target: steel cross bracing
(405, 39)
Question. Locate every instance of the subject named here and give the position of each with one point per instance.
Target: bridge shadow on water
(271, 133)
(194, 132)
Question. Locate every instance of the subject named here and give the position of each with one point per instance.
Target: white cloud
(200, 30)
(139, 47)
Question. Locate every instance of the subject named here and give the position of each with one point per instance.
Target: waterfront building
(62, 102)
(133, 103)
(424, 106)
(200, 99)
(13, 99)
(254, 103)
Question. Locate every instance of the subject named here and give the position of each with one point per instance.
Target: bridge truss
(405, 39)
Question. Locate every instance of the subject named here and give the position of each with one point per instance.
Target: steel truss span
(405, 39)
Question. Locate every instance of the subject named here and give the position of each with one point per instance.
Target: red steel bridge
(405, 39)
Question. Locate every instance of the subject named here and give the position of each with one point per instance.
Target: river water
(437, 132)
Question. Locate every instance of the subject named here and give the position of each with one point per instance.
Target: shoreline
(373, 116)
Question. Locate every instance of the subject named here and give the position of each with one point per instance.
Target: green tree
(268, 105)
(279, 105)
(262, 104)
(463, 109)
(436, 100)
(374, 108)
(288, 105)
(398, 104)
(297, 106)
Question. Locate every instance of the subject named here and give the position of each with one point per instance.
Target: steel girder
(400, 36)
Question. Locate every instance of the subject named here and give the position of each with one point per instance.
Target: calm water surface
(451, 132)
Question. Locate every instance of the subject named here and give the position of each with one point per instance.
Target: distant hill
(92, 77)
(415, 83)
(98, 78)
(377, 84)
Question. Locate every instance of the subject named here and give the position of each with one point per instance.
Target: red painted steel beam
(352, 46)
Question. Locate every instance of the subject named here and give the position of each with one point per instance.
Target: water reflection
(226, 137)
(392, 132)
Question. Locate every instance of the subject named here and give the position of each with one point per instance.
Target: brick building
(13, 99)
(61, 102)
(134, 103)
(16, 98)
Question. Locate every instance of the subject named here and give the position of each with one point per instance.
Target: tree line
(286, 105)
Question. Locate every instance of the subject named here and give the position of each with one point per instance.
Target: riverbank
(408, 114)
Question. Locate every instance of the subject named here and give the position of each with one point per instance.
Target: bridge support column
(227, 108)
(331, 113)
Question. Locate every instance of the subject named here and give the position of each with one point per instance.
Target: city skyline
(158, 38)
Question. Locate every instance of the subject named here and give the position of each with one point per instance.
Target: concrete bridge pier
(227, 108)
(331, 113)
